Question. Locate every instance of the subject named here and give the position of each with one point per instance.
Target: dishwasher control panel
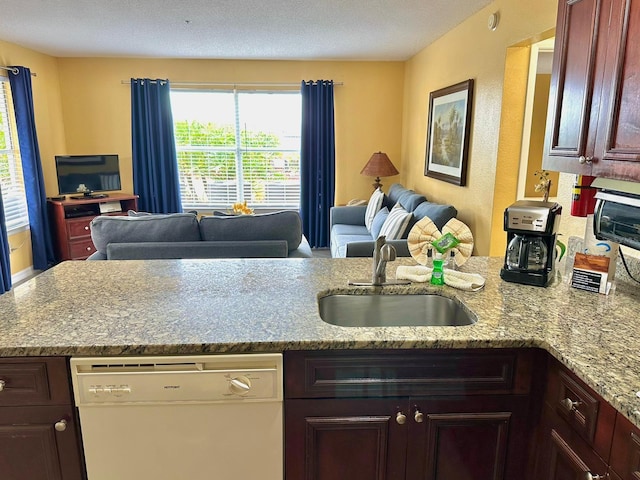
(193, 379)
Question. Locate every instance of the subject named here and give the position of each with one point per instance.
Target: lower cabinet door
(472, 438)
(564, 455)
(39, 443)
(346, 439)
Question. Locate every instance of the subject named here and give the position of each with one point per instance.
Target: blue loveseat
(351, 238)
(182, 235)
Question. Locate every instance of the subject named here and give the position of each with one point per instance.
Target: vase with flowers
(544, 184)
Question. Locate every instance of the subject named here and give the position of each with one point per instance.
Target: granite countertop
(257, 305)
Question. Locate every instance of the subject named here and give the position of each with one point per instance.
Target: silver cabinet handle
(61, 425)
(582, 160)
(419, 416)
(2, 384)
(570, 404)
(401, 418)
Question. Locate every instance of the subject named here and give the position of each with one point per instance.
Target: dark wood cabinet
(576, 431)
(70, 222)
(440, 415)
(594, 100)
(625, 453)
(39, 438)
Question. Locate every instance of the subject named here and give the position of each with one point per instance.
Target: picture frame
(448, 133)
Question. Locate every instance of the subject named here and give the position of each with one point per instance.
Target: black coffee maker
(531, 228)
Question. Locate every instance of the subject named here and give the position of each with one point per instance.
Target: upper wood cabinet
(593, 121)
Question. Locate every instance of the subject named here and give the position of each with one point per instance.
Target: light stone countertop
(270, 305)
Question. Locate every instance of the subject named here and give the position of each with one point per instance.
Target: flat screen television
(86, 174)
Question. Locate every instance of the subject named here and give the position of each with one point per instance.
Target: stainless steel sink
(393, 310)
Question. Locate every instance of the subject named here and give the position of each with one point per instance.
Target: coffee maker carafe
(531, 228)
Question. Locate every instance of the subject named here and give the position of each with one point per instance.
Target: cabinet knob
(2, 384)
(401, 418)
(582, 160)
(590, 476)
(418, 416)
(86, 227)
(88, 249)
(61, 425)
(570, 404)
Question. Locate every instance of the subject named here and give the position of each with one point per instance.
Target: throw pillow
(396, 223)
(375, 203)
(378, 221)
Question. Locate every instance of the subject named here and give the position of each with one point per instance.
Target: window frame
(15, 199)
(240, 150)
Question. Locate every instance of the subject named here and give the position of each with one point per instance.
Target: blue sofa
(182, 235)
(351, 238)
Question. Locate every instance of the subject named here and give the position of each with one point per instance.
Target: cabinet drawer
(392, 373)
(625, 452)
(586, 413)
(34, 381)
(79, 228)
(81, 249)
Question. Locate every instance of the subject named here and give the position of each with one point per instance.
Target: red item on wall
(584, 196)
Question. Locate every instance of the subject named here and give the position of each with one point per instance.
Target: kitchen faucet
(382, 253)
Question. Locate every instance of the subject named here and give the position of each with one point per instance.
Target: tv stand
(70, 221)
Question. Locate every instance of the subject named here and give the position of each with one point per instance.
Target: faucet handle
(388, 253)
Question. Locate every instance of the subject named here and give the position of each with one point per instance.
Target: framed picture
(448, 133)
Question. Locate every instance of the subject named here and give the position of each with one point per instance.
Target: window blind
(238, 146)
(11, 179)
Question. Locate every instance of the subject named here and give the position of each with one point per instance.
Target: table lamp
(378, 166)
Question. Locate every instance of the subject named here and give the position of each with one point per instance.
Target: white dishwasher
(185, 417)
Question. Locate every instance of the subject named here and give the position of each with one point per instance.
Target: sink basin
(393, 310)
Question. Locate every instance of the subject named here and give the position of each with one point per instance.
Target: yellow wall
(48, 114)
(368, 106)
(536, 138)
(470, 50)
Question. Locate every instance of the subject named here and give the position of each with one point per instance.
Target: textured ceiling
(238, 29)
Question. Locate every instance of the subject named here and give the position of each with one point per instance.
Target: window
(236, 147)
(11, 180)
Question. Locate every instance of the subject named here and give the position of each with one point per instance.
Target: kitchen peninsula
(261, 305)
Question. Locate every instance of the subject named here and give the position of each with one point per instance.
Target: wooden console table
(70, 219)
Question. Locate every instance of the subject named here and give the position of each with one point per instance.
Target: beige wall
(470, 50)
(368, 106)
(48, 114)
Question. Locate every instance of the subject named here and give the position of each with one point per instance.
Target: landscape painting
(448, 134)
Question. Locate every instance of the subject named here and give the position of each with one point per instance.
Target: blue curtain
(317, 161)
(155, 163)
(5, 268)
(41, 242)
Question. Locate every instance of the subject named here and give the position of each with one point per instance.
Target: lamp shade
(378, 166)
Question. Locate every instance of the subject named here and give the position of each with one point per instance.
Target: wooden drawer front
(33, 382)
(625, 452)
(81, 249)
(583, 409)
(79, 228)
(393, 373)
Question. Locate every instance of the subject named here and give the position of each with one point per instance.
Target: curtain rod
(14, 70)
(227, 84)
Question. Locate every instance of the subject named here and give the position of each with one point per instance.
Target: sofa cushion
(176, 227)
(339, 242)
(411, 200)
(378, 221)
(346, 229)
(375, 203)
(440, 214)
(396, 223)
(283, 225)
